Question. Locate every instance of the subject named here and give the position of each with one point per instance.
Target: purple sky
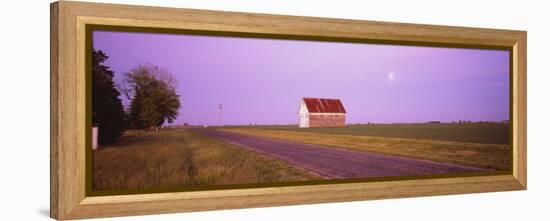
(262, 80)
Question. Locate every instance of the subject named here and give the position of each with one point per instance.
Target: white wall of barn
(303, 115)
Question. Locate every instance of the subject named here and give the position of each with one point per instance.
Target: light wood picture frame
(69, 21)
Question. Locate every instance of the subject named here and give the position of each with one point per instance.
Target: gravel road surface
(331, 162)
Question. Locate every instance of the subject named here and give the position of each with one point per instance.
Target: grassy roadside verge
(176, 158)
(486, 133)
(488, 156)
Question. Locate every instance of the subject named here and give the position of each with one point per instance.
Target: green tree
(153, 96)
(107, 110)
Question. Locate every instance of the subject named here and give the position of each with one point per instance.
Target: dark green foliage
(153, 94)
(134, 120)
(107, 110)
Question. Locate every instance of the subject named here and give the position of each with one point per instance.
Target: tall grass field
(176, 158)
(171, 158)
(485, 133)
(482, 145)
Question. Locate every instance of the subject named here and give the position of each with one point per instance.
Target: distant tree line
(151, 91)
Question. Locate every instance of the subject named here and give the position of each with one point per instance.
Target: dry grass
(488, 133)
(488, 156)
(176, 158)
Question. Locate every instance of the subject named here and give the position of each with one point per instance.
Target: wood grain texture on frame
(68, 83)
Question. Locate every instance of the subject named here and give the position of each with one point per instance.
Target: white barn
(321, 112)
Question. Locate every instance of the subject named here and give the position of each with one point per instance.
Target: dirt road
(338, 163)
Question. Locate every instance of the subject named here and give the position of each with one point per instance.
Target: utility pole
(220, 106)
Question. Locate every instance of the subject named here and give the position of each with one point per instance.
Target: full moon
(391, 76)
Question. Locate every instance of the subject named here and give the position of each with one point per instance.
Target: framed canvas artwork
(158, 110)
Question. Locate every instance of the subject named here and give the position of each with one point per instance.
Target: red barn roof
(324, 105)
